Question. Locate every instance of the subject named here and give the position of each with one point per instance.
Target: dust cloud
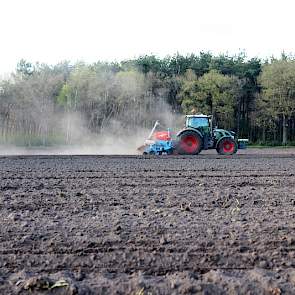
(116, 138)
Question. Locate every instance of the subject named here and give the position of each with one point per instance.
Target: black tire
(189, 143)
(227, 146)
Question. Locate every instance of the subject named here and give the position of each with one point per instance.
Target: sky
(51, 31)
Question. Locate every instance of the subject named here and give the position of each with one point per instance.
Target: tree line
(42, 104)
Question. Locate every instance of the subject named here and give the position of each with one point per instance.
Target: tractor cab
(201, 122)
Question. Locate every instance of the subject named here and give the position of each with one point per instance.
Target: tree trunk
(263, 134)
(284, 131)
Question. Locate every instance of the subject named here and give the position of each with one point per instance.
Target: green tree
(213, 93)
(24, 68)
(277, 80)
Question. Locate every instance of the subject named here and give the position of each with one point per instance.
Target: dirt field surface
(139, 225)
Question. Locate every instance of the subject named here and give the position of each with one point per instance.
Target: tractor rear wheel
(189, 143)
(227, 146)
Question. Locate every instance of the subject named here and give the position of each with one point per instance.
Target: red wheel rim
(190, 144)
(228, 147)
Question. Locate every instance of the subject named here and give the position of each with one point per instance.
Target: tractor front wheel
(227, 146)
(189, 143)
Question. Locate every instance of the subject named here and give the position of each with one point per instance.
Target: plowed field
(148, 225)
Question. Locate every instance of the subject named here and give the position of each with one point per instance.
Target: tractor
(197, 135)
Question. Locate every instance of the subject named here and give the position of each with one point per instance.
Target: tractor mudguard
(222, 137)
(189, 129)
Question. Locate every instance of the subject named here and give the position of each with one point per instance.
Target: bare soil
(207, 224)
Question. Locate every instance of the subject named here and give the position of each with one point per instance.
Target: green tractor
(199, 135)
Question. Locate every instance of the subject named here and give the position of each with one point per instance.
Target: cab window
(197, 122)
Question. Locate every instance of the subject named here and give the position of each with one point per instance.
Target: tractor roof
(198, 116)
